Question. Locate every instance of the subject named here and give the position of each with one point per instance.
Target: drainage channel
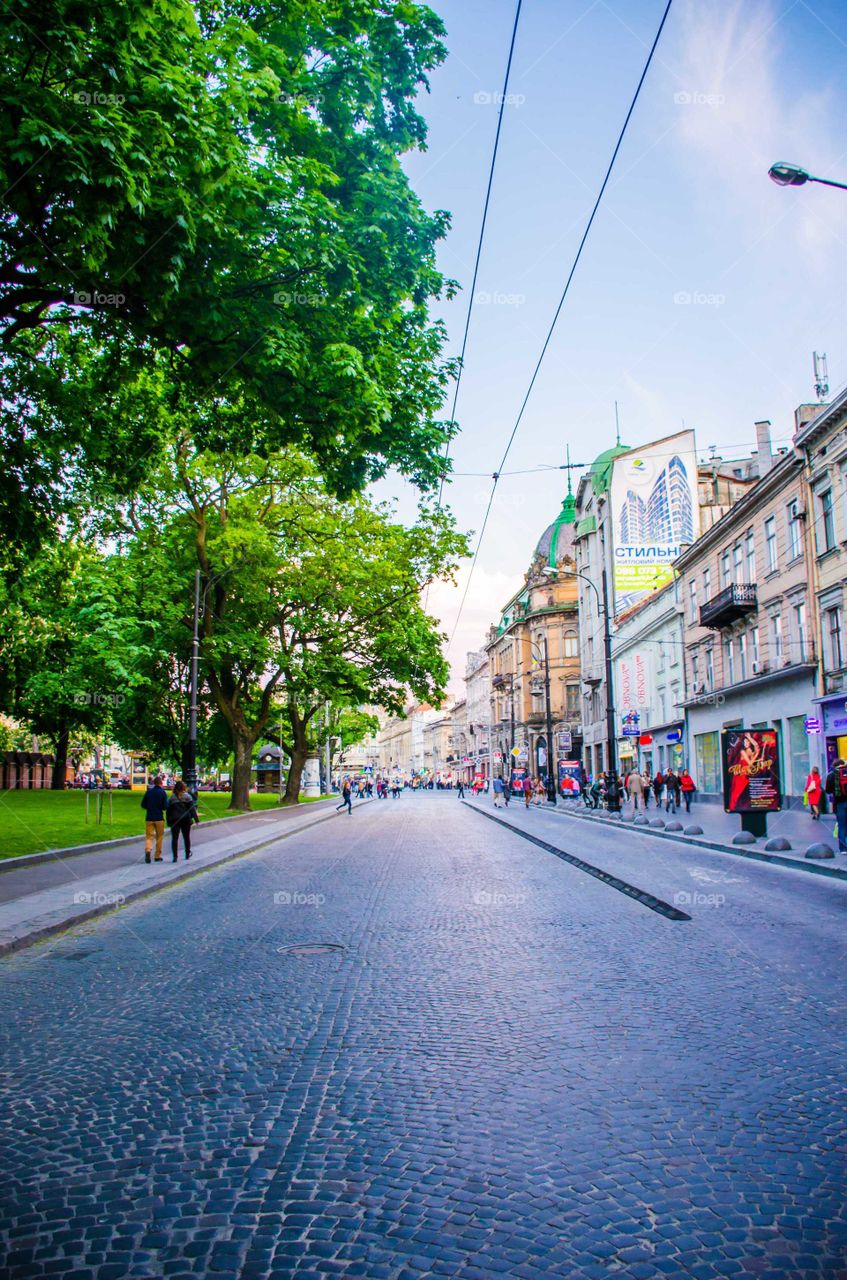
(631, 890)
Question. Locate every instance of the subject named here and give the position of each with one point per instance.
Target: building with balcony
(478, 714)
(821, 438)
(750, 654)
(720, 484)
(541, 616)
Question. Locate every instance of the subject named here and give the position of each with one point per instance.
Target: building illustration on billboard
(655, 513)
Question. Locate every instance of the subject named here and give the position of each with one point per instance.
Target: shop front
(832, 739)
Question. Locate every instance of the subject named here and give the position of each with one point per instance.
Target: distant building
(478, 714)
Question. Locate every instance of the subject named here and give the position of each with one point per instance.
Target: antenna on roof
(821, 375)
(617, 427)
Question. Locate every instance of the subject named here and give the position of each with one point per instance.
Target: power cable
(496, 475)
(481, 235)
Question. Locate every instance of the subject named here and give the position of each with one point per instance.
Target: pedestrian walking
(498, 792)
(687, 787)
(527, 791)
(645, 778)
(461, 789)
(814, 792)
(836, 786)
(635, 789)
(154, 802)
(672, 792)
(181, 815)
(596, 792)
(540, 793)
(658, 788)
(346, 798)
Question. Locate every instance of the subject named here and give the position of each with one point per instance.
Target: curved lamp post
(542, 656)
(792, 175)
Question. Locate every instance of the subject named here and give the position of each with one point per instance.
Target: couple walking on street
(179, 810)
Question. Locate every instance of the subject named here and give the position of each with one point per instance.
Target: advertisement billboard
(655, 512)
(750, 759)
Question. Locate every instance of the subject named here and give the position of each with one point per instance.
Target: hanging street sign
(812, 725)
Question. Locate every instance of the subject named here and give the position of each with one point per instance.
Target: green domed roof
(557, 539)
(601, 467)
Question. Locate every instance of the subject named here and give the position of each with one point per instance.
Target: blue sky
(689, 213)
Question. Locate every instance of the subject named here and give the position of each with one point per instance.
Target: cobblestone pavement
(510, 1069)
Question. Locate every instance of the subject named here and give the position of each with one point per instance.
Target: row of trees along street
(215, 293)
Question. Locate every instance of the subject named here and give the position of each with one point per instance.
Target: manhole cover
(80, 955)
(312, 949)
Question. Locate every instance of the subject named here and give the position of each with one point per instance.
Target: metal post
(279, 794)
(552, 781)
(328, 752)
(191, 771)
(512, 705)
(611, 744)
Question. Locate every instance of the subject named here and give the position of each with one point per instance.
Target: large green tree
(217, 188)
(306, 597)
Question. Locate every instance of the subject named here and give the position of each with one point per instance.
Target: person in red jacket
(527, 790)
(687, 787)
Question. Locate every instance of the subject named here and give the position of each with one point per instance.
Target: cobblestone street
(502, 1066)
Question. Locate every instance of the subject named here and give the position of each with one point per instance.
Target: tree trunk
(242, 770)
(60, 764)
(298, 757)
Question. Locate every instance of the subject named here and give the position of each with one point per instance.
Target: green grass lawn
(31, 821)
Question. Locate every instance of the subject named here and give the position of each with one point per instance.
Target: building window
(825, 522)
(833, 630)
(795, 537)
(776, 636)
(572, 693)
(742, 656)
(692, 600)
(754, 647)
(707, 583)
(751, 556)
(772, 560)
(737, 572)
(728, 663)
(695, 671)
(710, 669)
(571, 645)
(707, 754)
(726, 570)
(800, 631)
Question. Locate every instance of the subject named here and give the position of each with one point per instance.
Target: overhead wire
(496, 474)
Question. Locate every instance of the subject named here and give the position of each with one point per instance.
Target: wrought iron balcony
(729, 605)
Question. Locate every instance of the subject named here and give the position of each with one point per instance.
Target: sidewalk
(717, 829)
(68, 888)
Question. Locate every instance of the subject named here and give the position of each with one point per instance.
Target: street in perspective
(423, 672)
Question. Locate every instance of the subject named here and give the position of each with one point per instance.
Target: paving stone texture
(510, 1070)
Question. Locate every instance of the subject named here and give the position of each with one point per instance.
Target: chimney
(763, 447)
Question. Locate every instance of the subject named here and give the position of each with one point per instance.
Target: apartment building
(749, 630)
(478, 714)
(822, 440)
(649, 674)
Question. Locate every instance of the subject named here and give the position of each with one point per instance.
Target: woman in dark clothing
(181, 813)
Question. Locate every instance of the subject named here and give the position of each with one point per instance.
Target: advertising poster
(750, 771)
(655, 512)
(570, 772)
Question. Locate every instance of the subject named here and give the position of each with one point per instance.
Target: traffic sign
(516, 752)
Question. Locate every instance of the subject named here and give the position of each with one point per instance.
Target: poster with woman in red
(751, 771)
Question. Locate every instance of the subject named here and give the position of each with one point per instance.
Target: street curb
(62, 926)
(73, 851)
(756, 855)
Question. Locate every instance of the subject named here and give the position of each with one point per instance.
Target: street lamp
(551, 781)
(791, 175)
(611, 741)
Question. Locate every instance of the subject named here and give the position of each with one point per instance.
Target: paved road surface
(511, 1069)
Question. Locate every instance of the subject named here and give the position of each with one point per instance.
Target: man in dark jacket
(836, 786)
(154, 802)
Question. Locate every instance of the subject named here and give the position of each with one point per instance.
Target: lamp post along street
(794, 175)
(611, 745)
(194, 694)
